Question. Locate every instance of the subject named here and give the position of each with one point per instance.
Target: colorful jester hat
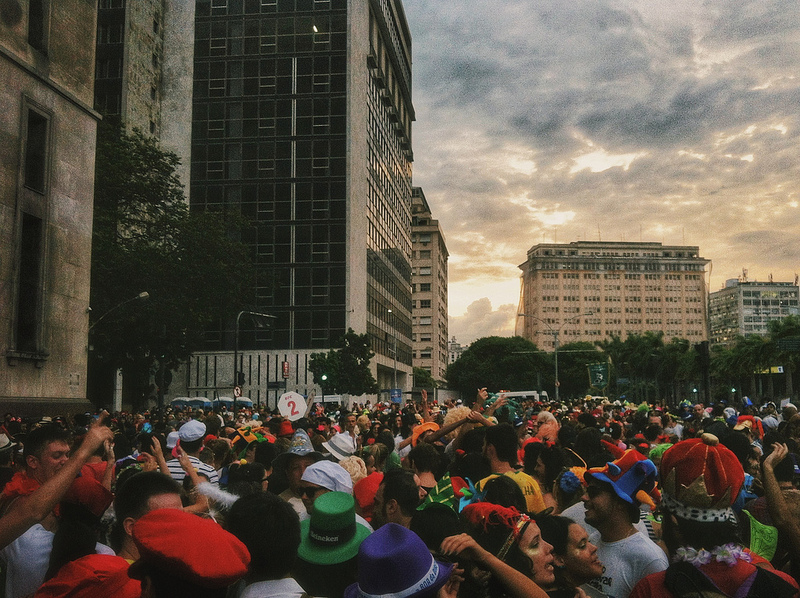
(701, 479)
(632, 477)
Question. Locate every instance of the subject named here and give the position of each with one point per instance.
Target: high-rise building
(429, 286)
(591, 290)
(143, 75)
(302, 119)
(454, 350)
(47, 156)
(744, 307)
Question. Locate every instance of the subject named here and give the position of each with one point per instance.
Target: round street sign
(292, 405)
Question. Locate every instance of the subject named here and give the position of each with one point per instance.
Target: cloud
(543, 120)
(481, 320)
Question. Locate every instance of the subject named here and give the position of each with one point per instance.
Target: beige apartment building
(592, 290)
(429, 285)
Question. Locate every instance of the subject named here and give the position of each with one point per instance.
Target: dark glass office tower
(302, 121)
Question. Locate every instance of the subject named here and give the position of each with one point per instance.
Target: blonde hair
(355, 466)
(453, 415)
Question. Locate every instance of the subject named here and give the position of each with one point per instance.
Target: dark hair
(265, 454)
(192, 446)
(698, 534)
(531, 452)
(166, 584)
(399, 485)
(434, 523)
(270, 528)
(37, 440)
(504, 440)
(246, 479)
(425, 457)
(133, 494)
(555, 531)
(504, 491)
(386, 439)
(472, 465)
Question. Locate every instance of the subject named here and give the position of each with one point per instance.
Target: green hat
(331, 535)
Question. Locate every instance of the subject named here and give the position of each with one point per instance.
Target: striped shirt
(203, 469)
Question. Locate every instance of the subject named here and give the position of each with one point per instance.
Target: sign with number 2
(292, 405)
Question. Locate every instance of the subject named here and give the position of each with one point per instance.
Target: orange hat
(189, 548)
(701, 479)
(421, 429)
(91, 576)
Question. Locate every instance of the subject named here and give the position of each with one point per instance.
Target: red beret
(91, 576)
(701, 479)
(190, 548)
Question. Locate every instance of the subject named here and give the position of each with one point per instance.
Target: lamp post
(261, 321)
(555, 332)
(143, 296)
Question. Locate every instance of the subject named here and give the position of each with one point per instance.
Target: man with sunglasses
(323, 477)
(613, 496)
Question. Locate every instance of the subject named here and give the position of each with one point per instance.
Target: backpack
(685, 580)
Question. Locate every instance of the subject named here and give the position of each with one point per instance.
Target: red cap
(190, 548)
(364, 492)
(90, 493)
(91, 576)
(286, 428)
(701, 479)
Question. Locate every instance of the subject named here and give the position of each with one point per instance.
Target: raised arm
(781, 513)
(29, 510)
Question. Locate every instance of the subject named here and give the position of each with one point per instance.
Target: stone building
(47, 155)
(591, 290)
(429, 286)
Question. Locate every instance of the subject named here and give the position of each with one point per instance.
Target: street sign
(396, 395)
(285, 369)
(292, 405)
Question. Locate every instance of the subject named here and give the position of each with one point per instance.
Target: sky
(632, 120)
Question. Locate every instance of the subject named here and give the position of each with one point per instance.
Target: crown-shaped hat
(701, 479)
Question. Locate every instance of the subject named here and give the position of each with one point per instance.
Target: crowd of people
(501, 498)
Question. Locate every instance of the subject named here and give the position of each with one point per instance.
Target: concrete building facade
(454, 350)
(429, 286)
(47, 155)
(744, 307)
(302, 119)
(591, 290)
(144, 70)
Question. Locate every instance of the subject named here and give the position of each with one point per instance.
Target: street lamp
(261, 321)
(143, 296)
(555, 332)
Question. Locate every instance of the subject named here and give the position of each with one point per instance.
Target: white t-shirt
(27, 559)
(625, 562)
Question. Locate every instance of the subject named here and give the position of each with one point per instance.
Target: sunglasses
(309, 491)
(594, 491)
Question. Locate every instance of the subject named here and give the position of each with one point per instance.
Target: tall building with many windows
(591, 290)
(47, 154)
(429, 286)
(744, 307)
(302, 119)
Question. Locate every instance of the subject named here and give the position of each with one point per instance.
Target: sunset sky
(551, 121)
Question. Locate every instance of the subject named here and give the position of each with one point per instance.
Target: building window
(425, 271)
(29, 292)
(425, 321)
(425, 303)
(36, 141)
(37, 24)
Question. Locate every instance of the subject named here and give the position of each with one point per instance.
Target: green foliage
(573, 359)
(346, 366)
(423, 379)
(498, 363)
(146, 239)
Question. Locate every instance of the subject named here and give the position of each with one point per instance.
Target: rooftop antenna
(744, 274)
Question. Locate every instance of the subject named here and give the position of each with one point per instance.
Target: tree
(573, 359)
(424, 379)
(146, 239)
(498, 363)
(345, 367)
